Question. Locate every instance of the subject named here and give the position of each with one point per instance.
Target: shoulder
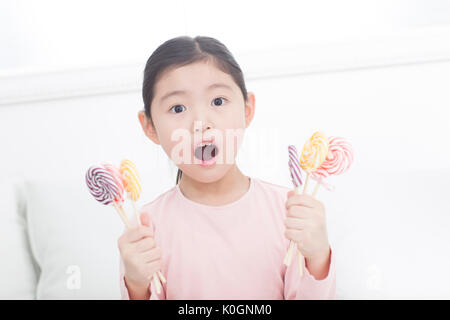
(271, 190)
(154, 206)
(271, 186)
(271, 199)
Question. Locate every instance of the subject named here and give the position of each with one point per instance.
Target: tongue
(205, 153)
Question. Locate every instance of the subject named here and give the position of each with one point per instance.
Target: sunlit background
(374, 72)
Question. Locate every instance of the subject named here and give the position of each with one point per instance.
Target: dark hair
(183, 50)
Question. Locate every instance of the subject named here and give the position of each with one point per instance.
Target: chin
(207, 175)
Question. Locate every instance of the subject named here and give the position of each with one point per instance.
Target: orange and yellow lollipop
(130, 179)
(132, 185)
(313, 154)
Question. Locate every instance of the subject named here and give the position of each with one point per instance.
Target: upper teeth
(206, 144)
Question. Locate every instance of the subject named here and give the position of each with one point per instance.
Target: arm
(306, 225)
(317, 283)
(139, 259)
(130, 291)
(319, 265)
(135, 292)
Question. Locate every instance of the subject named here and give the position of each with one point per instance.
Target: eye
(177, 108)
(218, 100)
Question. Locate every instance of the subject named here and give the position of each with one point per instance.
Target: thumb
(290, 193)
(145, 219)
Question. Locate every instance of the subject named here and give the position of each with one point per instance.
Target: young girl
(217, 234)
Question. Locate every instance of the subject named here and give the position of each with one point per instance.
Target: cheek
(234, 118)
(233, 128)
(173, 139)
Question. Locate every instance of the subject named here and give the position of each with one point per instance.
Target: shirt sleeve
(307, 287)
(123, 288)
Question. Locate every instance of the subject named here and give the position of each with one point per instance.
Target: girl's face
(193, 103)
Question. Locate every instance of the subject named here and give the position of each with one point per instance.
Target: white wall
(60, 34)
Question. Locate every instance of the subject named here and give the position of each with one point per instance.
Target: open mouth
(206, 152)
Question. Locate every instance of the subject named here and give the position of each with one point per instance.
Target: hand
(139, 253)
(306, 225)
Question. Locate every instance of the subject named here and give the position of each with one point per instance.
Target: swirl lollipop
(130, 178)
(112, 169)
(338, 160)
(313, 154)
(103, 187)
(296, 174)
(294, 168)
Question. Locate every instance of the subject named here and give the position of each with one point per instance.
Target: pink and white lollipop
(114, 171)
(339, 159)
(103, 187)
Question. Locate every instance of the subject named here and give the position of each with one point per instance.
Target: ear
(147, 126)
(249, 108)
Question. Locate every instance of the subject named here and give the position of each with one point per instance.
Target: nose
(201, 119)
(201, 126)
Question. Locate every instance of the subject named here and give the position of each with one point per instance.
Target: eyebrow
(182, 92)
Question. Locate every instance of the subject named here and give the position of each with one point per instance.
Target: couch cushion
(74, 240)
(18, 275)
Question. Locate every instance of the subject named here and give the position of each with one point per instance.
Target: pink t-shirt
(233, 251)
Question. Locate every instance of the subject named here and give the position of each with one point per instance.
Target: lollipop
(112, 169)
(130, 178)
(313, 154)
(338, 160)
(294, 169)
(103, 187)
(105, 184)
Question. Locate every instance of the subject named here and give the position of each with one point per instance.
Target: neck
(232, 186)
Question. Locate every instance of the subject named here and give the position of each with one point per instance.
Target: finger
(139, 233)
(299, 212)
(151, 255)
(300, 200)
(145, 244)
(295, 223)
(154, 265)
(290, 193)
(145, 219)
(294, 234)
